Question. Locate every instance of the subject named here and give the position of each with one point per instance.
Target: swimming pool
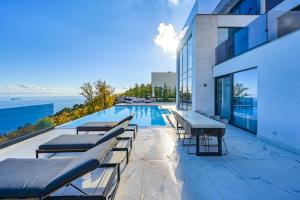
(144, 116)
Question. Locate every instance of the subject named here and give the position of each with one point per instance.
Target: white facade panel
(205, 34)
(278, 68)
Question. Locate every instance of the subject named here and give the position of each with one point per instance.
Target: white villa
(242, 62)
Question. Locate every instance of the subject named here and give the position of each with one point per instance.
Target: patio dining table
(203, 125)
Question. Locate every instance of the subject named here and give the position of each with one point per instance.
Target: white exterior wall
(205, 33)
(278, 68)
(206, 41)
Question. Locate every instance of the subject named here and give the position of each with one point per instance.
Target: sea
(16, 112)
(59, 102)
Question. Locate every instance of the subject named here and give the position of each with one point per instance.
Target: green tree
(158, 92)
(165, 94)
(103, 94)
(87, 92)
(143, 91)
(44, 123)
(239, 90)
(149, 89)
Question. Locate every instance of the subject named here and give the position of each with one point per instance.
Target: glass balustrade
(266, 28)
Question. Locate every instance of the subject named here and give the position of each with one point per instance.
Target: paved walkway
(161, 169)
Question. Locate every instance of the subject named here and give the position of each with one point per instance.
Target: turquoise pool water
(144, 116)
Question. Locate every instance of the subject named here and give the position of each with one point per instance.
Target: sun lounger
(41, 178)
(81, 143)
(106, 126)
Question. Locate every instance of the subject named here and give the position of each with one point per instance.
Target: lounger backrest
(84, 163)
(129, 118)
(118, 130)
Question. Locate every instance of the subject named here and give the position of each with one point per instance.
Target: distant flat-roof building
(159, 79)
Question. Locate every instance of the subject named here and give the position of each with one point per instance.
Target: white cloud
(167, 38)
(33, 89)
(175, 2)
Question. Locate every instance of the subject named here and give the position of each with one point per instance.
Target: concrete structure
(242, 67)
(160, 79)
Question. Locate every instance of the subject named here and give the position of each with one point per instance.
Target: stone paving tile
(160, 168)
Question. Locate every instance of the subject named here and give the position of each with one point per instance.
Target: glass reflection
(245, 100)
(223, 97)
(185, 64)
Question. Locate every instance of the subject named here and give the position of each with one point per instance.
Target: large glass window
(236, 99)
(184, 76)
(224, 96)
(180, 80)
(245, 100)
(189, 74)
(246, 7)
(185, 64)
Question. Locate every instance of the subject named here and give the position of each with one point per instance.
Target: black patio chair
(179, 127)
(206, 140)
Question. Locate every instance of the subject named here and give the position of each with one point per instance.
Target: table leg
(197, 143)
(219, 145)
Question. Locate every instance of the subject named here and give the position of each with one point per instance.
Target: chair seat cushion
(20, 178)
(81, 142)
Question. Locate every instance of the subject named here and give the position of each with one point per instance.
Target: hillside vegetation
(164, 94)
(98, 96)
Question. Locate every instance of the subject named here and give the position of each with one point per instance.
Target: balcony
(266, 28)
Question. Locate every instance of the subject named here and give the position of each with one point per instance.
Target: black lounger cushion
(103, 126)
(35, 178)
(83, 164)
(96, 126)
(81, 142)
(20, 178)
(71, 142)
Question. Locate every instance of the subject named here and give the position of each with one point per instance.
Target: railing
(21, 122)
(266, 28)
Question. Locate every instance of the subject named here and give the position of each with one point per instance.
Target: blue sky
(53, 46)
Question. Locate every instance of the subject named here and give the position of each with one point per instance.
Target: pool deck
(160, 168)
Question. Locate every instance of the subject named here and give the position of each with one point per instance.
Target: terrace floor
(160, 168)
